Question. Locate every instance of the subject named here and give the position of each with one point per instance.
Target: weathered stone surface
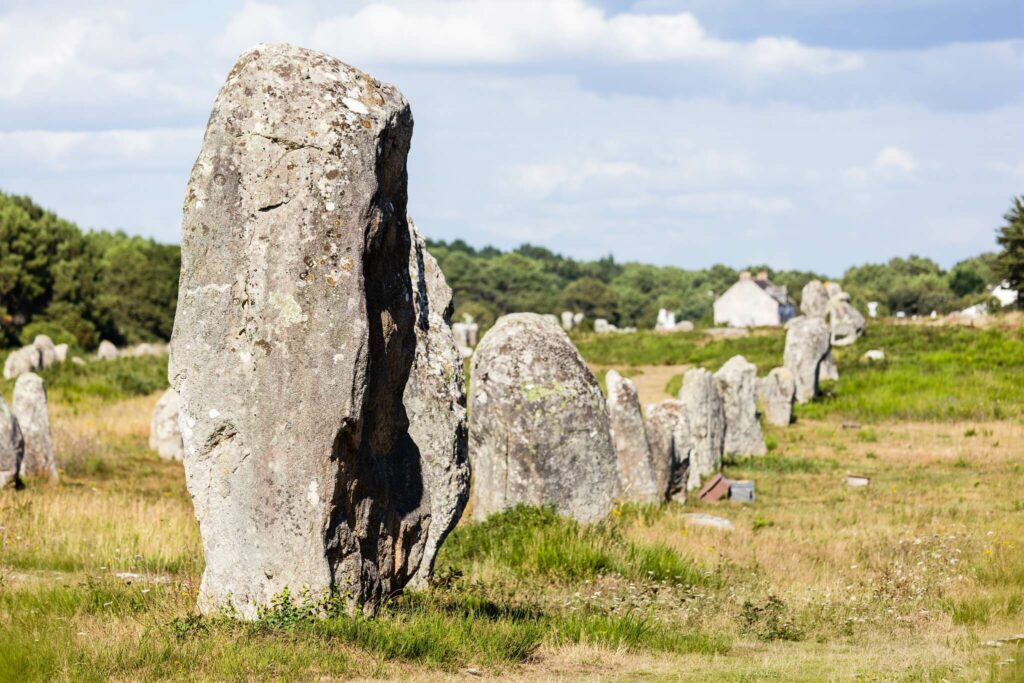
(874, 355)
(538, 426)
(294, 337)
(846, 322)
(829, 370)
(775, 394)
(107, 350)
(33, 415)
(47, 350)
(814, 299)
(705, 415)
(669, 441)
(12, 446)
(807, 345)
(737, 382)
(164, 430)
(20, 361)
(435, 401)
(637, 478)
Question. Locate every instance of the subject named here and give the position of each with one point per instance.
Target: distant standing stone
(737, 382)
(20, 361)
(807, 345)
(637, 478)
(61, 351)
(106, 350)
(814, 299)
(32, 412)
(669, 441)
(12, 446)
(47, 350)
(776, 393)
(164, 430)
(705, 414)
(538, 425)
(435, 401)
(295, 336)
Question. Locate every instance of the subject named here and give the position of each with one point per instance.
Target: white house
(754, 302)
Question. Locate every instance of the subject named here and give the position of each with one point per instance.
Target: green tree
(591, 297)
(1010, 262)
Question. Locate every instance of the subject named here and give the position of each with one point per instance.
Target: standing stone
(846, 322)
(539, 432)
(814, 299)
(705, 415)
(807, 345)
(669, 441)
(61, 350)
(107, 350)
(775, 394)
(47, 350)
(164, 430)
(737, 382)
(33, 416)
(829, 370)
(567, 321)
(637, 478)
(12, 446)
(20, 361)
(435, 401)
(295, 336)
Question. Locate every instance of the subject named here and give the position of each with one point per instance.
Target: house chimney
(745, 275)
(762, 276)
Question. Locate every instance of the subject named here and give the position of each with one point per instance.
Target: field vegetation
(905, 579)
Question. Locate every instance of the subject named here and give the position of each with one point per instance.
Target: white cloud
(59, 150)
(475, 32)
(895, 158)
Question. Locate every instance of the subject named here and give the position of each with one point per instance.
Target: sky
(810, 134)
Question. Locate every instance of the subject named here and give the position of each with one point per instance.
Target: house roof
(777, 292)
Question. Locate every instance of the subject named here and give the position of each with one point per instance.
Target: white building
(754, 302)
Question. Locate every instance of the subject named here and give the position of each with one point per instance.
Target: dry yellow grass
(902, 580)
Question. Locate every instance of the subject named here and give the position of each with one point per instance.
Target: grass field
(903, 580)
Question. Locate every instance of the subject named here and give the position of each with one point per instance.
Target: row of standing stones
(319, 387)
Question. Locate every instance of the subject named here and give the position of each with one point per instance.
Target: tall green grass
(537, 542)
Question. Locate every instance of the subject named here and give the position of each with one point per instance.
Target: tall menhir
(294, 337)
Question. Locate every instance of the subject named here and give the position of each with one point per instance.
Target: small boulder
(705, 415)
(776, 393)
(164, 430)
(107, 350)
(637, 478)
(12, 446)
(539, 432)
(807, 345)
(737, 382)
(33, 415)
(874, 356)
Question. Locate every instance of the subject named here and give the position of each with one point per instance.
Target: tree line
(80, 287)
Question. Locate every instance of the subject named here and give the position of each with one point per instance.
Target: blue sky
(802, 133)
